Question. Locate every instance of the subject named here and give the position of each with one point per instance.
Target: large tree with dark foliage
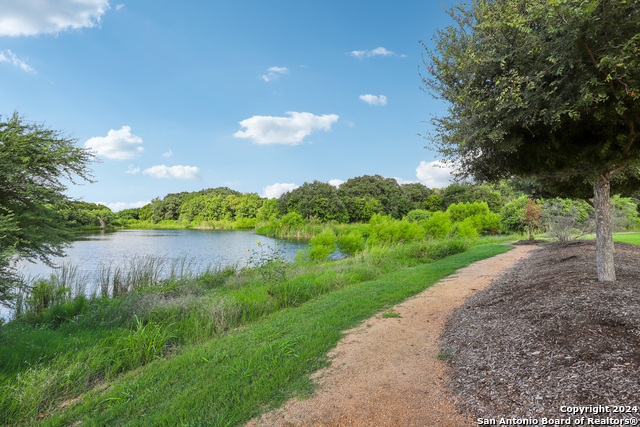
(386, 191)
(543, 89)
(35, 164)
(317, 199)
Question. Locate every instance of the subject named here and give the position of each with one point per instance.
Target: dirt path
(385, 372)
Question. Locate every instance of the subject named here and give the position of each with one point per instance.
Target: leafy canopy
(542, 88)
(35, 164)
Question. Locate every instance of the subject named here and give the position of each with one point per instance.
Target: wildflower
(248, 250)
(258, 243)
(276, 243)
(280, 224)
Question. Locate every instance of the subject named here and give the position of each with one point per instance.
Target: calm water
(202, 247)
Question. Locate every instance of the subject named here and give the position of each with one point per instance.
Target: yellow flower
(280, 224)
(276, 244)
(248, 250)
(258, 243)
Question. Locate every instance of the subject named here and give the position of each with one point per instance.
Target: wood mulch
(548, 334)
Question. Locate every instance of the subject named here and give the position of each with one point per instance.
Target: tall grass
(137, 316)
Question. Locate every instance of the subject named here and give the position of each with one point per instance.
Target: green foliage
(317, 199)
(512, 215)
(389, 194)
(351, 244)
(438, 226)
(461, 211)
(386, 230)
(418, 215)
(434, 203)
(322, 245)
(292, 219)
(144, 343)
(361, 209)
(467, 229)
(417, 194)
(35, 165)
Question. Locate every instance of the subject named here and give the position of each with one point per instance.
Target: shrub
(461, 211)
(467, 229)
(512, 215)
(322, 245)
(438, 226)
(484, 223)
(351, 243)
(417, 215)
(564, 224)
(292, 219)
(386, 230)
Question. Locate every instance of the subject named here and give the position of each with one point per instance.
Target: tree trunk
(604, 230)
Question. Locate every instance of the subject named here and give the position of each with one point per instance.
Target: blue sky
(256, 96)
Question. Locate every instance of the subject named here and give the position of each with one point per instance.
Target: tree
(35, 162)
(532, 216)
(546, 90)
(317, 199)
(386, 191)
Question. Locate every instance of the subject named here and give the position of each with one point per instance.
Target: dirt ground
(548, 334)
(386, 372)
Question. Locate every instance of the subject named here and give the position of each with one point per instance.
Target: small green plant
(269, 262)
(146, 342)
(391, 314)
(446, 354)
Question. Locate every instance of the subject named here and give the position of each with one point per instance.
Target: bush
(564, 224)
(461, 211)
(438, 226)
(512, 215)
(351, 243)
(467, 229)
(292, 219)
(417, 215)
(386, 230)
(322, 245)
(489, 222)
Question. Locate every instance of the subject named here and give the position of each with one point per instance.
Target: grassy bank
(227, 380)
(64, 343)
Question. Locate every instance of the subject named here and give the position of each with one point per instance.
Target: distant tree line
(356, 200)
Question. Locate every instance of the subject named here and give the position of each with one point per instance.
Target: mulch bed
(547, 334)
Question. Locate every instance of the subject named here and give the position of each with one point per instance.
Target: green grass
(227, 380)
(633, 238)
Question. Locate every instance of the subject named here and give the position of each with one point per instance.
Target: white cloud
(276, 190)
(167, 154)
(379, 51)
(178, 172)
(336, 182)
(119, 6)
(273, 73)
(118, 206)
(118, 144)
(8, 56)
(434, 174)
(374, 100)
(281, 70)
(284, 130)
(132, 170)
(31, 17)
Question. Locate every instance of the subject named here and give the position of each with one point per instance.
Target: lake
(202, 248)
